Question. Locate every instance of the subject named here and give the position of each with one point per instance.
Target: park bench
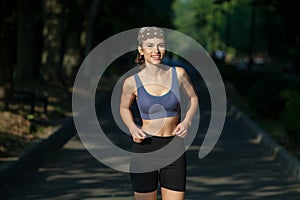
(31, 98)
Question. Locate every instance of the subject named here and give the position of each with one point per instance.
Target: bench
(31, 98)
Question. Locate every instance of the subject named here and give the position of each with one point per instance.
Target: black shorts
(166, 167)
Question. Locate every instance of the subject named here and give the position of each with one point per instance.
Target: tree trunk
(70, 47)
(91, 23)
(29, 41)
(52, 38)
(7, 49)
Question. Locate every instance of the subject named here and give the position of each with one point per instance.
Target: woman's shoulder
(129, 82)
(180, 71)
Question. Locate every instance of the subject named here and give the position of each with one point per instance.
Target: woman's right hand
(138, 135)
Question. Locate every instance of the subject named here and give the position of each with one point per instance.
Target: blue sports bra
(155, 107)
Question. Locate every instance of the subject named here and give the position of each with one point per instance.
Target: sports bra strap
(138, 81)
(175, 83)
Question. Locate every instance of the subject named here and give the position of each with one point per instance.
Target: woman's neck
(155, 70)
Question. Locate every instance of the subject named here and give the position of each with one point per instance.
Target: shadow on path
(237, 168)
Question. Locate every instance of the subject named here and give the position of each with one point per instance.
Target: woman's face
(153, 50)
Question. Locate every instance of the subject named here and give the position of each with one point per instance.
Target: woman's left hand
(181, 129)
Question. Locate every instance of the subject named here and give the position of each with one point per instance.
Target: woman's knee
(146, 195)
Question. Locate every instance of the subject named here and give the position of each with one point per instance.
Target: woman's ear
(140, 50)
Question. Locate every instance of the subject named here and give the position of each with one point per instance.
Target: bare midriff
(162, 127)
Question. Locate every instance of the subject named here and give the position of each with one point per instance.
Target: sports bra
(155, 107)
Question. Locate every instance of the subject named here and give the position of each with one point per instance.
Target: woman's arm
(127, 99)
(184, 81)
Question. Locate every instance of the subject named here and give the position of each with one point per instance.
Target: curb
(37, 151)
(286, 160)
(35, 154)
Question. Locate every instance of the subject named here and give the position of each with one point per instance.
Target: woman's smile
(156, 56)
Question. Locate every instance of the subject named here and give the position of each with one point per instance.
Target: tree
(282, 34)
(246, 27)
(8, 48)
(71, 51)
(29, 40)
(93, 12)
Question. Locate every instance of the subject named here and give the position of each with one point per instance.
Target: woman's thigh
(173, 176)
(144, 182)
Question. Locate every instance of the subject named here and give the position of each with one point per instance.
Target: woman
(156, 88)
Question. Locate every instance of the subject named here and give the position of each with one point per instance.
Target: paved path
(237, 168)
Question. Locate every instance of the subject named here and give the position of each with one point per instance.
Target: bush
(291, 114)
(264, 96)
(228, 72)
(244, 80)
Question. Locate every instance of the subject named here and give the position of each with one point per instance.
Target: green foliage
(264, 96)
(226, 24)
(244, 80)
(291, 113)
(200, 20)
(228, 72)
(114, 17)
(185, 17)
(60, 110)
(281, 33)
(207, 22)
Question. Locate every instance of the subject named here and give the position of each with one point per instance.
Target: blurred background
(254, 43)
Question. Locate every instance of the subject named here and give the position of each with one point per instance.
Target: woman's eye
(149, 46)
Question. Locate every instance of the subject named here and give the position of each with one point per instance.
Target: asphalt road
(237, 168)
